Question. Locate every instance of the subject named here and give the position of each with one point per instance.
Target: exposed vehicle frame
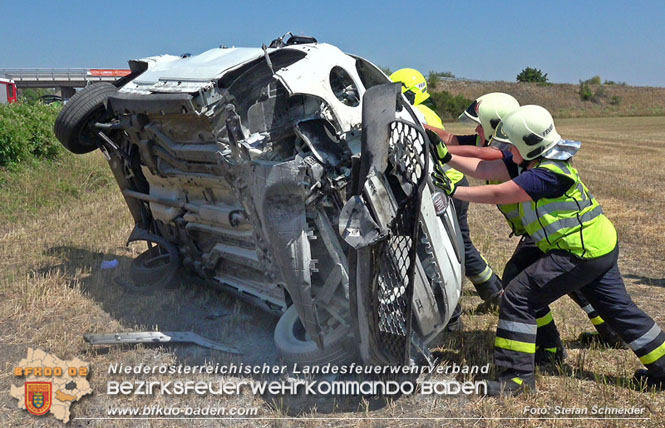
(294, 176)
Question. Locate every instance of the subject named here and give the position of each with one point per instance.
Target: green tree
(532, 75)
(33, 95)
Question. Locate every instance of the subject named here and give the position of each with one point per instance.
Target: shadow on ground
(459, 345)
(187, 304)
(644, 280)
(190, 304)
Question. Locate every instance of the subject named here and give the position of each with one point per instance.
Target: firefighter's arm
(446, 137)
(484, 153)
(494, 170)
(504, 193)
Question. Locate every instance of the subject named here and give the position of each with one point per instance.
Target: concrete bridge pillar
(66, 92)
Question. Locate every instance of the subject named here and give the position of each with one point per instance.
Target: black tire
(156, 265)
(339, 347)
(73, 124)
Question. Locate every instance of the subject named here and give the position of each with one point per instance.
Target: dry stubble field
(52, 291)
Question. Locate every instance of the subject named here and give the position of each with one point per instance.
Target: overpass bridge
(63, 79)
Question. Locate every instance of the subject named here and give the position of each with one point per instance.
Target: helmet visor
(500, 134)
(470, 115)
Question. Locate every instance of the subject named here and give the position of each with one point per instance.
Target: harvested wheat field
(60, 222)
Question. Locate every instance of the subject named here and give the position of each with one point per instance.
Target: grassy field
(60, 220)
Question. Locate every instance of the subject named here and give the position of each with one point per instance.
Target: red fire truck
(7, 91)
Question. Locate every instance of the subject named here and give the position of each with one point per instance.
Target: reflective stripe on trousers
(599, 280)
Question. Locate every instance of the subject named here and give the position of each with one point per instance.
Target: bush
(432, 80)
(615, 100)
(33, 95)
(531, 75)
(449, 106)
(585, 91)
(599, 94)
(587, 94)
(26, 133)
(446, 74)
(434, 77)
(595, 80)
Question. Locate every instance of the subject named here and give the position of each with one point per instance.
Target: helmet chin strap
(523, 166)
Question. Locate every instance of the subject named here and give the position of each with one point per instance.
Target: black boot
(551, 356)
(644, 377)
(605, 336)
(512, 384)
(490, 302)
(455, 323)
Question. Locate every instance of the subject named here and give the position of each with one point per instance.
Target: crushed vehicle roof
(203, 67)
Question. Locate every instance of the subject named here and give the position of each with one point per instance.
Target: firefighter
(487, 111)
(579, 245)
(486, 282)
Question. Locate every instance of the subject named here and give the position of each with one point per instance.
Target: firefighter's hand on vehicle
(442, 153)
(441, 180)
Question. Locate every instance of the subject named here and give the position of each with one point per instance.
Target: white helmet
(488, 110)
(531, 129)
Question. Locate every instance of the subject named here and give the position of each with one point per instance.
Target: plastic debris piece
(109, 264)
(157, 337)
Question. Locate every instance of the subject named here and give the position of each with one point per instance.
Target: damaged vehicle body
(294, 176)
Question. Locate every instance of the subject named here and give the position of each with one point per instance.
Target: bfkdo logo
(49, 385)
(38, 397)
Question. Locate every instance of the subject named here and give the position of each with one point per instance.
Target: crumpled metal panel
(409, 274)
(311, 76)
(275, 194)
(175, 74)
(203, 67)
(356, 225)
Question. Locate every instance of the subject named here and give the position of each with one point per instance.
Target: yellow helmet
(488, 110)
(531, 129)
(414, 85)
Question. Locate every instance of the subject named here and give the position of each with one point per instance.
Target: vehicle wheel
(294, 346)
(74, 126)
(157, 265)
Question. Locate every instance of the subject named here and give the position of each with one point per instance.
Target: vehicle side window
(344, 87)
(369, 74)
(10, 91)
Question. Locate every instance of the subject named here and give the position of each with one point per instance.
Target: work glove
(442, 153)
(439, 147)
(441, 180)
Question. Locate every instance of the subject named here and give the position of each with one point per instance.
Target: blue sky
(486, 40)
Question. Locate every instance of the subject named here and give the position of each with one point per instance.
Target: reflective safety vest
(510, 211)
(481, 143)
(433, 119)
(573, 222)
